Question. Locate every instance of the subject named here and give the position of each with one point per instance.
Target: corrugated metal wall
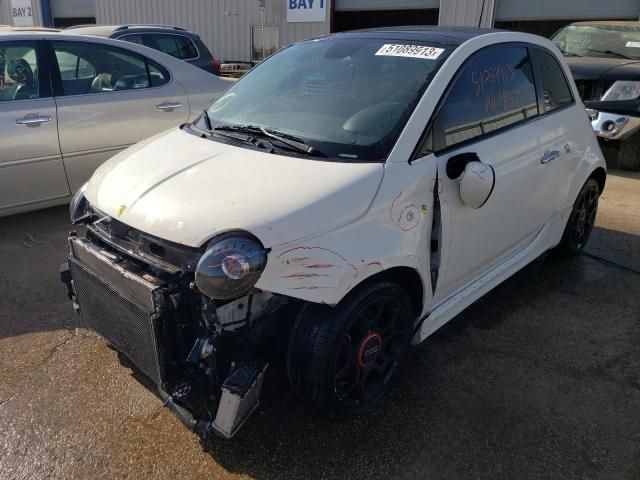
(5, 12)
(224, 25)
(467, 13)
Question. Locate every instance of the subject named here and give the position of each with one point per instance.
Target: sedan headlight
(622, 90)
(78, 205)
(231, 266)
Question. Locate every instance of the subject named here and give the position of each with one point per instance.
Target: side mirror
(476, 184)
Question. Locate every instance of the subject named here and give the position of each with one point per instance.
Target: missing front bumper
(136, 312)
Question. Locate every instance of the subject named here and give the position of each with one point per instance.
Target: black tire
(343, 359)
(581, 221)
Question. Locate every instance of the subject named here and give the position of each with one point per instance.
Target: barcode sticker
(409, 51)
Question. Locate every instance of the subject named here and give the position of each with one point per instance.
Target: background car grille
(131, 328)
(592, 89)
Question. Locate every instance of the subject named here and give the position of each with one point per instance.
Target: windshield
(347, 98)
(612, 41)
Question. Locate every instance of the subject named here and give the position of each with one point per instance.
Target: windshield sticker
(409, 51)
(633, 44)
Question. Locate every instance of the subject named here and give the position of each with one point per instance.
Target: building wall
(5, 12)
(224, 25)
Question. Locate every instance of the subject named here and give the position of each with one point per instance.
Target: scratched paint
(403, 212)
(317, 268)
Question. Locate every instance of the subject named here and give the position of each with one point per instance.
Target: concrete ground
(540, 379)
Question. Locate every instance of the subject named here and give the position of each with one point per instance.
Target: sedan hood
(595, 68)
(186, 189)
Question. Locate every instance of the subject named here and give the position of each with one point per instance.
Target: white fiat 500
(343, 200)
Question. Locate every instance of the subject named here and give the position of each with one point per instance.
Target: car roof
(108, 30)
(447, 35)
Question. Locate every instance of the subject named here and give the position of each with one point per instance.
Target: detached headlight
(622, 90)
(78, 205)
(230, 267)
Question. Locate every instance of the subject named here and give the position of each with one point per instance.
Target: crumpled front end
(206, 357)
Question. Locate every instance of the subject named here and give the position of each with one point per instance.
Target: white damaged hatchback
(340, 202)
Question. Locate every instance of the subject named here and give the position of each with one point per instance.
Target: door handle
(168, 105)
(33, 120)
(550, 155)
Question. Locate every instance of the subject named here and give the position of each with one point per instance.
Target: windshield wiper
(611, 52)
(286, 139)
(569, 54)
(207, 120)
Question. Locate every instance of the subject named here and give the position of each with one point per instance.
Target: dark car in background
(604, 58)
(174, 41)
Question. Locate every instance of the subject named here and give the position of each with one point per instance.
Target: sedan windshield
(612, 41)
(343, 98)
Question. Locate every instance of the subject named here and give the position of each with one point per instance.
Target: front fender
(395, 232)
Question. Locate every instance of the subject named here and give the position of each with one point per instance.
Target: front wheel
(343, 359)
(581, 221)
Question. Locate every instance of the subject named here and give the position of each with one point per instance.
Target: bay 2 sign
(306, 10)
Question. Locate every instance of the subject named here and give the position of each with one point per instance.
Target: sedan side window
(555, 89)
(494, 89)
(18, 72)
(93, 68)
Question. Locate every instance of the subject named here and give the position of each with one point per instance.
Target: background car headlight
(230, 267)
(78, 205)
(622, 90)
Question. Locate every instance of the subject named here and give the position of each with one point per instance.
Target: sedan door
(492, 110)
(31, 169)
(109, 98)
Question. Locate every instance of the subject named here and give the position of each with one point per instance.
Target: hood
(596, 68)
(186, 189)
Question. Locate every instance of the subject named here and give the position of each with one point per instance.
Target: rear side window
(87, 68)
(492, 90)
(177, 46)
(555, 90)
(18, 72)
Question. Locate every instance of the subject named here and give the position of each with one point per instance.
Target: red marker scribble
(374, 263)
(305, 275)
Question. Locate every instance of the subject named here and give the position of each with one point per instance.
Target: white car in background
(70, 102)
(348, 196)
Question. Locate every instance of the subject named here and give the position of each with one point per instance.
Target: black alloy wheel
(582, 219)
(343, 359)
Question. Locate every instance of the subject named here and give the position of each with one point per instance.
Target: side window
(73, 67)
(556, 92)
(177, 46)
(18, 72)
(94, 68)
(493, 89)
(134, 38)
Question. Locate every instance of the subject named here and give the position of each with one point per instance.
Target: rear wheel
(583, 217)
(343, 359)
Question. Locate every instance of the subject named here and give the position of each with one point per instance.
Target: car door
(31, 168)
(109, 98)
(491, 109)
(557, 106)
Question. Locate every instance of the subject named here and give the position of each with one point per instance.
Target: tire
(343, 359)
(580, 224)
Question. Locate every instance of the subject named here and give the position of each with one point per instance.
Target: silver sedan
(68, 103)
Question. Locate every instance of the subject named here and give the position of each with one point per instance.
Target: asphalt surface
(539, 379)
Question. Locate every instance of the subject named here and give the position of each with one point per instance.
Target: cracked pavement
(539, 379)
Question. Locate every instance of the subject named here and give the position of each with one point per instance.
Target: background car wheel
(580, 224)
(343, 359)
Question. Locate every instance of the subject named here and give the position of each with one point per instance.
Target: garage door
(73, 8)
(355, 5)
